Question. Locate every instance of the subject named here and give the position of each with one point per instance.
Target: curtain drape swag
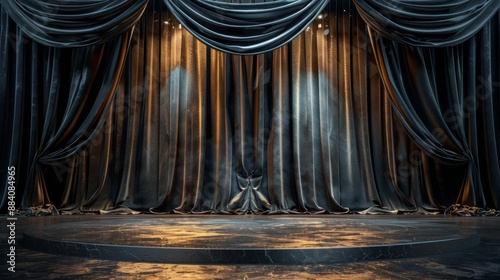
(75, 23)
(246, 27)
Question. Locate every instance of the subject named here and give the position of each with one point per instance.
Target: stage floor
(249, 239)
(257, 247)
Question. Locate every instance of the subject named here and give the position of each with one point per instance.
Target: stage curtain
(307, 128)
(246, 27)
(75, 23)
(427, 23)
(53, 100)
(445, 95)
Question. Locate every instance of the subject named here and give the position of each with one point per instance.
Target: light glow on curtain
(306, 128)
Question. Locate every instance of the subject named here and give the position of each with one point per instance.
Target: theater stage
(249, 239)
(254, 246)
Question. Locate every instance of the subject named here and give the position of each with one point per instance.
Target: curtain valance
(75, 23)
(427, 23)
(246, 28)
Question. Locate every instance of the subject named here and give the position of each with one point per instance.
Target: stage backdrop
(302, 106)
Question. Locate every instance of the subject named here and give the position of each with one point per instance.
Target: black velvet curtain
(306, 128)
(246, 27)
(427, 23)
(53, 100)
(75, 23)
(445, 95)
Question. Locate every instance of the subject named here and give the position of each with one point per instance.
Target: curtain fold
(427, 23)
(246, 27)
(441, 95)
(59, 99)
(76, 23)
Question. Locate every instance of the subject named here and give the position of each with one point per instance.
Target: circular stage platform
(249, 239)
